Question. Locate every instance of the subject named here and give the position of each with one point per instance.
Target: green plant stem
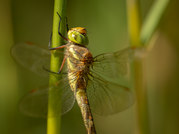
(139, 85)
(152, 20)
(54, 122)
(134, 24)
(140, 37)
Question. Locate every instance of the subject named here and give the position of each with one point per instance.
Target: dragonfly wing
(35, 103)
(108, 98)
(32, 57)
(68, 98)
(113, 65)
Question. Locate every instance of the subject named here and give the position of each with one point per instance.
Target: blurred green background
(106, 22)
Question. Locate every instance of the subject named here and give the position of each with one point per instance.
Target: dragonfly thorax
(79, 58)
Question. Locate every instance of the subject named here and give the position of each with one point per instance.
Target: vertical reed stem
(134, 25)
(54, 122)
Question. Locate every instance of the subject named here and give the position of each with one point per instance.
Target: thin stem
(140, 39)
(134, 22)
(134, 25)
(152, 20)
(54, 122)
(141, 97)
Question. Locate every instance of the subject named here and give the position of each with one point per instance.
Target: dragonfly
(90, 80)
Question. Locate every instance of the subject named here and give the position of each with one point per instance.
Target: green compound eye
(78, 35)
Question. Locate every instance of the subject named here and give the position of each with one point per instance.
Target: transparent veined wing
(113, 65)
(32, 57)
(107, 98)
(35, 103)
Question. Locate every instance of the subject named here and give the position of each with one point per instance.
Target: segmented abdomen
(83, 103)
(78, 67)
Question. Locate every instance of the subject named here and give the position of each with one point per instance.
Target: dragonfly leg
(67, 24)
(55, 48)
(59, 28)
(50, 41)
(50, 44)
(61, 67)
(49, 70)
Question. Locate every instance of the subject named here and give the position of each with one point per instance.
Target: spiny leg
(67, 25)
(50, 41)
(60, 70)
(55, 48)
(59, 28)
(62, 65)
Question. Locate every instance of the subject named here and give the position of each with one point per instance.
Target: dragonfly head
(78, 35)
